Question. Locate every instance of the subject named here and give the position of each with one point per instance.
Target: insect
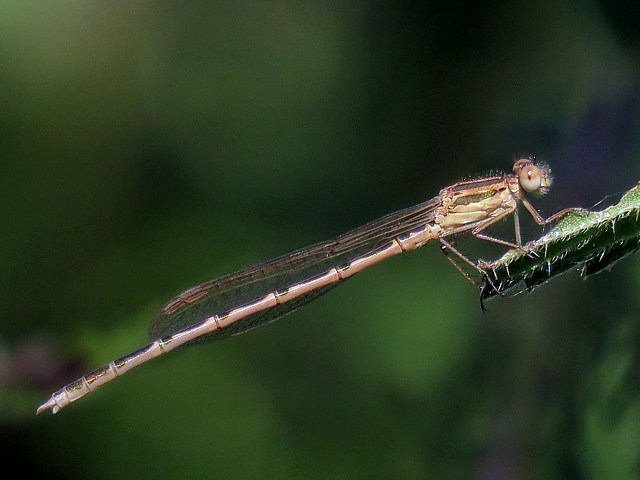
(260, 294)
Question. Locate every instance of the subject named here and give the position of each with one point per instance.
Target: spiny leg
(488, 285)
(540, 220)
(477, 232)
(447, 248)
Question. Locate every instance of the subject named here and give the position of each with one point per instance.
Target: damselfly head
(532, 177)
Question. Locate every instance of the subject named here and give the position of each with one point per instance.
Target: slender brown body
(265, 292)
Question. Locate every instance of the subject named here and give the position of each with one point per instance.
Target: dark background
(149, 146)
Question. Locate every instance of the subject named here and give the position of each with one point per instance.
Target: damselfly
(252, 297)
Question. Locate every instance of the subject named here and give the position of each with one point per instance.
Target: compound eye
(530, 178)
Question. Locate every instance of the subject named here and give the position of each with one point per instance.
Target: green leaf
(584, 240)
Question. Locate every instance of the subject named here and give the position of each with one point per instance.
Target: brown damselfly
(260, 294)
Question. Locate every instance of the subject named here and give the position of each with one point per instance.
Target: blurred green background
(147, 146)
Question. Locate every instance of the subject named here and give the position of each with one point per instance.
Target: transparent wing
(228, 292)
